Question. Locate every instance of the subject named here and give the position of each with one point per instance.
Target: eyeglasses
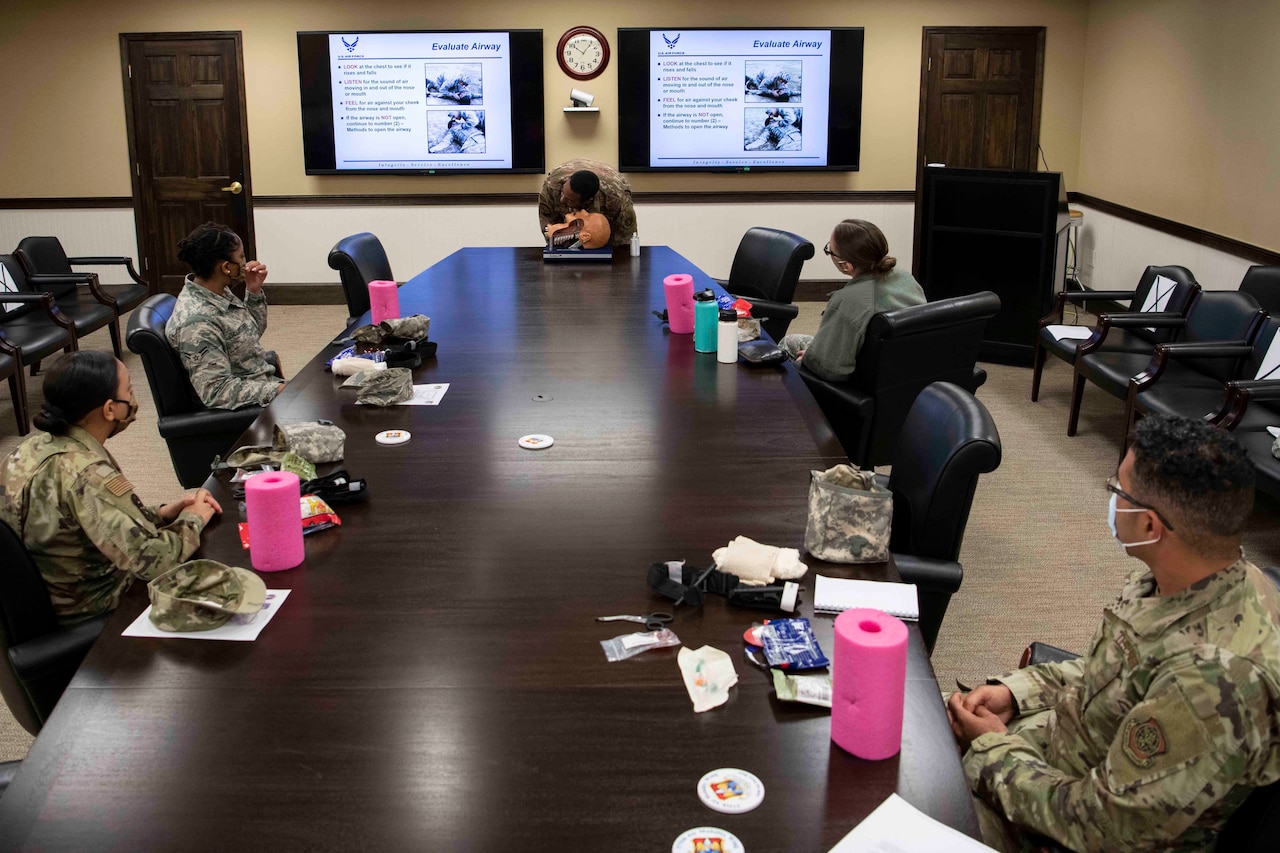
(1113, 486)
(826, 250)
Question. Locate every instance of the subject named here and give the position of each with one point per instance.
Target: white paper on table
(896, 826)
(423, 395)
(427, 395)
(1275, 431)
(1074, 333)
(143, 627)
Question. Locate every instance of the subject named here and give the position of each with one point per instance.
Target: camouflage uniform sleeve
(1175, 754)
(1037, 687)
(125, 531)
(621, 214)
(547, 201)
(257, 305)
(206, 361)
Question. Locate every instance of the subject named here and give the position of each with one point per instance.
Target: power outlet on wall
(1089, 257)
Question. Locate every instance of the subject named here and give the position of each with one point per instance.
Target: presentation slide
(421, 100)
(739, 98)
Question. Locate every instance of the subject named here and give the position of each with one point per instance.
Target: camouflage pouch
(315, 441)
(850, 516)
(367, 334)
(412, 328)
(387, 388)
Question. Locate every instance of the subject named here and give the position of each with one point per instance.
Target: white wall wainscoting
(84, 233)
(1115, 251)
(294, 241)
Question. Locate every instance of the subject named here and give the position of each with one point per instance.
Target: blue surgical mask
(1112, 509)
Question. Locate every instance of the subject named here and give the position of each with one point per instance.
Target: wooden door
(979, 99)
(188, 142)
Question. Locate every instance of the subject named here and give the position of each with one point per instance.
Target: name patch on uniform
(119, 486)
(1143, 741)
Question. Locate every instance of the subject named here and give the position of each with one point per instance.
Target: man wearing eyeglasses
(1169, 721)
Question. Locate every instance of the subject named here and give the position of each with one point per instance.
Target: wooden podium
(998, 231)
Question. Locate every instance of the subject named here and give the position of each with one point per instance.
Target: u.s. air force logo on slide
(1143, 741)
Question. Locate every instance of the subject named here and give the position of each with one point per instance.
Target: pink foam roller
(679, 291)
(273, 504)
(384, 300)
(868, 682)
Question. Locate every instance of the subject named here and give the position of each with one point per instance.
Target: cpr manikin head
(580, 229)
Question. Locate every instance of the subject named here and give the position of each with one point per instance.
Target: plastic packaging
(790, 644)
(630, 645)
(705, 317)
(727, 337)
(635, 245)
(809, 689)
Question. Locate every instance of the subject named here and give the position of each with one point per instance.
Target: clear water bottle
(635, 245)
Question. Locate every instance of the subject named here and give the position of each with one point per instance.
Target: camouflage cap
(314, 441)
(253, 455)
(391, 386)
(367, 334)
(204, 594)
(413, 327)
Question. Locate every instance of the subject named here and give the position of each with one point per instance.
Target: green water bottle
(706, 313)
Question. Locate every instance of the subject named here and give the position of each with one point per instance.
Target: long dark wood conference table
(434, 680)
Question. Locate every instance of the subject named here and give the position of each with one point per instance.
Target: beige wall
(1182, 113)
(70, 56)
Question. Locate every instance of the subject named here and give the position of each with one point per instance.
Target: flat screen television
(421, 103)
(744, 100)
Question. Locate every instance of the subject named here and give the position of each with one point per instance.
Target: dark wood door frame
(922, 114)
(146, 263)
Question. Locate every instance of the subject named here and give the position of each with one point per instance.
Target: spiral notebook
(833, 595)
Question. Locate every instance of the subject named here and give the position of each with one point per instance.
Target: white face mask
(1112, 509)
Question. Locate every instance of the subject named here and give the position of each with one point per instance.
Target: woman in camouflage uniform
(64, 495)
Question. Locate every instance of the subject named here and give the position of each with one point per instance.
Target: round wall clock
(583, 53)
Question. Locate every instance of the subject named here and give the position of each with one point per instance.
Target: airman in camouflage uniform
(1172, 717)
(218, 338)
(1158, 732)
(86, 531)
(613, 200)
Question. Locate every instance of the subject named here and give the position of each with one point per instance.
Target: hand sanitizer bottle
(635, 245)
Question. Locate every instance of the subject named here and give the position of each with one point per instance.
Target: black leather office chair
(947, 440)
(1190, 378)
(79, 298)
(1215, 316)
(359, 259)
(904, 351)
(33, 324)
(765, 270)
(11, 369)
(45, 256)
(39, 656)
(194, 433)
(1252, 828)
(1263, 284)
(1135, 339)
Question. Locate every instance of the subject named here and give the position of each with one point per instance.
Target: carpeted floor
(1039, 560)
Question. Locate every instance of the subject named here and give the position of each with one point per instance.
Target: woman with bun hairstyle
(66, 499)
(217, 334)
(858, 249)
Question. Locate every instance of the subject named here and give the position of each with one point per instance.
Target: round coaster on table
(704, 839)
(536, 442)
(392, 436)
(731, 790)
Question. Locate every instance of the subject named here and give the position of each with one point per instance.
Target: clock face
(583, 53)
